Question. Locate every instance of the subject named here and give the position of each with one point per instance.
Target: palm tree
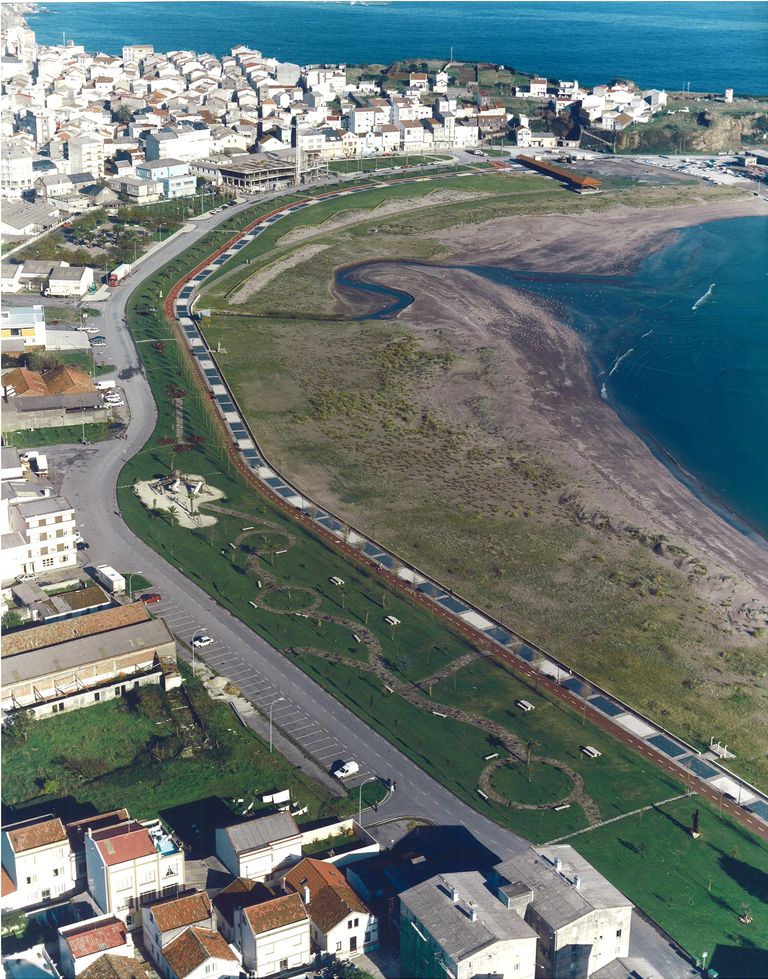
(173, 512)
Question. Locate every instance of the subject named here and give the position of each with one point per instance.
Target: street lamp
(131, 576)
(270, 720)
(373, 778)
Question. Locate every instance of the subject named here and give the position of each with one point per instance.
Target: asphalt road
(89, 476)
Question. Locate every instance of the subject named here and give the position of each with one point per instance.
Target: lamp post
(373, 778)
(270, 720)
(131, 576)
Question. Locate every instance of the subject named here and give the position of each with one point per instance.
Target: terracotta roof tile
(90, 939)
(32, 835)
(119, 844)
(86, 625)
(331, 899)
(63, 379)
(241, 893)
(25, 382)
(115, 967)
(277, 913)
(193, 947)
(181, 912)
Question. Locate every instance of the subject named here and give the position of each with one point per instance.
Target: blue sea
(680, 350)
(709, 46)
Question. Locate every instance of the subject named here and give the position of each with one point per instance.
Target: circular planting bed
(288, 599)
(548, 785)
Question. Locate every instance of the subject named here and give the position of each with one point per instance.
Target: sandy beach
(543, 390)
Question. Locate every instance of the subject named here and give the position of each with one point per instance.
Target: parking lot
(287, 716)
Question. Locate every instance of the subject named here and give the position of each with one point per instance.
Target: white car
(26, 577)
(200, 641)
(87, 329)
(346, 770)
(114, 404)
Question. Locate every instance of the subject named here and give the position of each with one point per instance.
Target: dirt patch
(266, 274)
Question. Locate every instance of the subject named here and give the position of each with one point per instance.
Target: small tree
(18, 725)
(12, 619)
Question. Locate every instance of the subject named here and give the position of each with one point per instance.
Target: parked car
(346, 769)
(26, 577)
(151, 598)
(98, 341)
(201, 641)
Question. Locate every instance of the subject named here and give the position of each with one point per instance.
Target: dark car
(151, 597)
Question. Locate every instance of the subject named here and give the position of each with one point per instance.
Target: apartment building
(452, 925)
(23, 324)
(16, 174)
(581, 920)
(172, 175)
(86, 154)
(36, 862)
(37, 536)
(130, 863)
(274, 935)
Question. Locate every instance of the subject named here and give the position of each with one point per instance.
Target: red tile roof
(115, 967)
(119, 844)
(33, 835)
(241, 893)
(181, 912)
(193, 947)
(86, 625)
(78, 829)
(89, 939)
(274, 914)
(331, 899)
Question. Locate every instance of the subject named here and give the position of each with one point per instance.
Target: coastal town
(223, 754)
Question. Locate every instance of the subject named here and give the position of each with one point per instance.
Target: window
(97, 696)
(47, 561)
(338, 946)
(56, 871)
(57, 708)
(283, 963)
(349, 923)
(618, 932)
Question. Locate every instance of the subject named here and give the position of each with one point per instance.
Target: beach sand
(543, 390)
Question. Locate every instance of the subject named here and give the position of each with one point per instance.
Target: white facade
(26, 323)
(86, 155)
(261, 848)
(37, 857)
(38, 536)
(105, 934)
(274, 936)
(129, 863)
(16, 175)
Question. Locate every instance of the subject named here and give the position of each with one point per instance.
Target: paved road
(89, 476)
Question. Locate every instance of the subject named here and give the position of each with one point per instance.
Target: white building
(164, 921)
(182, 143)
(261, 848)
(200, 953)
(132, 862)
(16, 174)
(37, 535)
(86, 154)
(33, 961)
(36, 862)
(83, 943)
(341, 923)
(71, 281)
(25, 323)
(274, 935)
(582, 921)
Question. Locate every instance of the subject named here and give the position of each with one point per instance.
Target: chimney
(454, 895)
(577, 882)
(306, 894)
(472, 911)
(558, 865)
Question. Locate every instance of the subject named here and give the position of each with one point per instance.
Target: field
(323, 644)
(695, 889)
(331, 397)
(64, 435)
(145, 753)
(382, 163)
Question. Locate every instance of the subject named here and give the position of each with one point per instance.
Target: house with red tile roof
(84, 942)
(274, 935)
(164, 920)
(341, 923)
(132, 863)
(199, 953)
(109, 966)
(241, 893)
(37, 862)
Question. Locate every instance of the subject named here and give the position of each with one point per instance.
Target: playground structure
(181, 495)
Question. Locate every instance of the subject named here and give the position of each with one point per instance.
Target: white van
(524, 705)
(105, 385)
(346, 770)
(391, 620)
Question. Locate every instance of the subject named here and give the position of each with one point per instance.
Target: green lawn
(65, 435)
(695, 889)
(544, 785)
(110, 755)
(619, 781)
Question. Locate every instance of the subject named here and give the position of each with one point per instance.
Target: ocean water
(680, 350)
(709, 45)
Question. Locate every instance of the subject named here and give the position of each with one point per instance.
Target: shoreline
(623, 470)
